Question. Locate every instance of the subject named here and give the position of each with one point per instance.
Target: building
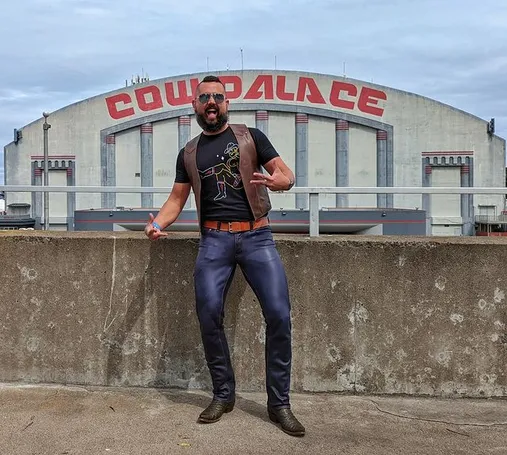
(333, 131)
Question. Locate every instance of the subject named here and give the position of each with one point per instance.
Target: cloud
(56, 52)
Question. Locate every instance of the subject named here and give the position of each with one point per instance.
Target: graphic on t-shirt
(227, 172)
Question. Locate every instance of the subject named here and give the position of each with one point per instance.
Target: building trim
(241, 107)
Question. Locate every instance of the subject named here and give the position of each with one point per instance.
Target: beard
(212, 127)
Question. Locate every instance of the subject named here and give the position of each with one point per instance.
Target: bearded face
(211, 107)
(212, 120)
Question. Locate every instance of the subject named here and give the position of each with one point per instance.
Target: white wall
(128, 163)
(445, 205)
(322, 156)
(58, 201)
(282, 134)
(362, 163)
(247, 118)
(165, 152)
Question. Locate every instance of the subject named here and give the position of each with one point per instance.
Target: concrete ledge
(373, 315)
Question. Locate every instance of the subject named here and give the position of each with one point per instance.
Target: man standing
(222, 166)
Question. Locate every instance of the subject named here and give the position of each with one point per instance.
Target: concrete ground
(57, 420)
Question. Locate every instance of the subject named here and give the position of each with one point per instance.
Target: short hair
(210, 78)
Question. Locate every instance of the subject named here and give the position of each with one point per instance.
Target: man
(222, 166)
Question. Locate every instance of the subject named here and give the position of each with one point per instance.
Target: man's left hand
(277, 181)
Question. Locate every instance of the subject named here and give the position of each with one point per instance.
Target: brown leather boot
(286, 419)
(215, 410)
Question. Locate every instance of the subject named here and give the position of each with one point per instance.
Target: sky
(56, 52)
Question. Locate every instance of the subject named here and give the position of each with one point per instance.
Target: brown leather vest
(257, 196)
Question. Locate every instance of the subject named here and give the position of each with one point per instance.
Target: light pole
(45, 128)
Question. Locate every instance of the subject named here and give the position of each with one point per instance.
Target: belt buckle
(229, 223)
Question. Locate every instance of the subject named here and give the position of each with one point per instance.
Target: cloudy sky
(55, 52)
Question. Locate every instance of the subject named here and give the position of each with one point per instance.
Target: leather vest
(257, 195)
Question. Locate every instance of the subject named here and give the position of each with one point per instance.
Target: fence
(313, 192)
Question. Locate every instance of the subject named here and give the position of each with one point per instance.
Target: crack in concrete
(113, 280)
(355, 347)
(422, 419)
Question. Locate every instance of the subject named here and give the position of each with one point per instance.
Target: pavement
(64, 420)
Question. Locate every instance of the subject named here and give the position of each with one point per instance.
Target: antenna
(275, 62)
(137, 79)
(241, 50)
(207, 63)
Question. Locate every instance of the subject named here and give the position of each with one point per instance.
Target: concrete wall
(388, 315)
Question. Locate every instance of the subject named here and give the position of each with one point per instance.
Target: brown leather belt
(236, 226)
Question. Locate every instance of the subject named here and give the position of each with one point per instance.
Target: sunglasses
(205, 97)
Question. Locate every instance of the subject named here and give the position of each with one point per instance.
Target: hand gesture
(152, 232)
(277, 181)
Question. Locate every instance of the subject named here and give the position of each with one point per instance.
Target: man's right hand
(151, 231)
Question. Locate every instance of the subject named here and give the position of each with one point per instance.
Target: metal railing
(491, 219)
(313, 193)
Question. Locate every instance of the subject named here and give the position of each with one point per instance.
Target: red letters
(336, 90)
(183, 96)
(236, 83)
(280, 90)
(368, 100)
(254, 93)
(156, 98)
(307, 83)
(265, 87)
(112, 106)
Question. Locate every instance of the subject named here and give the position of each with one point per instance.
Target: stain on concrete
(440, 283)
(28, 274)
(443, 358)
(32, 344)
(499, 295)
(402, 261)
(333, 354)
(457, 318)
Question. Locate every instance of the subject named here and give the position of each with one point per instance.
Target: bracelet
(156, 225)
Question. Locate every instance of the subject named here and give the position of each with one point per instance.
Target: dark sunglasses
(205, 97)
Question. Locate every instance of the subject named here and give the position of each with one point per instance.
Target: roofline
(271, 71)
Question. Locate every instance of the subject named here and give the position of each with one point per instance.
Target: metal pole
(45, 128)
(314, 214)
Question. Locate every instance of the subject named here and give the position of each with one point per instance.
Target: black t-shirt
(223, 196)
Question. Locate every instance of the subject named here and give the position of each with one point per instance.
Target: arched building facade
(332, 131)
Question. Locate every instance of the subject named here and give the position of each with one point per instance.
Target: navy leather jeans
(255, 252)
